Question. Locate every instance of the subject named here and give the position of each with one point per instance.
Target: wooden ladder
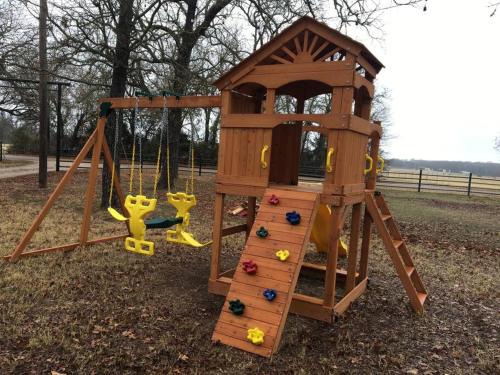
(268, 316)
(397, 250)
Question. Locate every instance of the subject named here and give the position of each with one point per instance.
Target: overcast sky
(443, 68)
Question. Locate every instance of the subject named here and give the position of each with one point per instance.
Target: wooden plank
(313, 44)
(234, 229)
(92, 180)
(344, 303)
(329, 54)
(66, 247)
(252, 301)
(319, 50)
(281, 226)
(52, 198)
(352, 259)
(217, 236)
(274, 264)
(106, 239)
(271, 243)
(279, 286)
(279, 210)
(292, 196)
(276, 235)
(280, 59)
(251, 211)
(266, 272)
(270, 252)
(311, 67)
(255, 291)
(240, 333)
(331, 267)
(274, 81)
(246, 322)
(252, 313)
(171, 102)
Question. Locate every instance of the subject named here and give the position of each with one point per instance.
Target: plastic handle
(263, 162)
(329, 159)
(382, 164)
(370, 162)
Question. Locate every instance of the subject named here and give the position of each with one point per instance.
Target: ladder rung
(397, 243)
(385, 217)
(409, 270)
(421, 297)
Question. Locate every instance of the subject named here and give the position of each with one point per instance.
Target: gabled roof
(325, 40)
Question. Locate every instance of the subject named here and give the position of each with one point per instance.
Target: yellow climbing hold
(255, 336)
(283, 254)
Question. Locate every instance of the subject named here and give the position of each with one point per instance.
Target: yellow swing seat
(183, 203)
(138, 206)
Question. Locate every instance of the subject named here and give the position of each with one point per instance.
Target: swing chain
(114, 161)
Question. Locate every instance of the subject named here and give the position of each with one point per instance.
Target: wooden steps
(268, 316)
(397, 250)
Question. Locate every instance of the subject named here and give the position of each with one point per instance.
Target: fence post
(469, 185)
(420, 180)
(1, 150)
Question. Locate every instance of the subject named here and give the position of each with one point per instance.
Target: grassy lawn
(13, 163)
(104, 310)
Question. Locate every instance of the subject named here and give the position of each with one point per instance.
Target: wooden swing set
(98, 145)
(259, 156)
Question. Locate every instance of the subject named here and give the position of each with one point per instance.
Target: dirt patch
(103, 310)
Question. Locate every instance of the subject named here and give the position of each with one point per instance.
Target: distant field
(439, 181)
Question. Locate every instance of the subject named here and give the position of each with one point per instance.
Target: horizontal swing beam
(159, 102)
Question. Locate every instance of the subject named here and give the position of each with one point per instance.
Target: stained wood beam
(209, 101)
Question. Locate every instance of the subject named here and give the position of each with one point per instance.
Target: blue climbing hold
(269, 294)
(293, 217)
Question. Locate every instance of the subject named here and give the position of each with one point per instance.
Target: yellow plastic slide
(320, 232)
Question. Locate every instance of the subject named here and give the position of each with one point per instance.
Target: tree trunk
(181, 79)
(118, 85)
(44, 102)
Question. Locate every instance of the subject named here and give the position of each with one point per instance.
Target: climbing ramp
(282, 226)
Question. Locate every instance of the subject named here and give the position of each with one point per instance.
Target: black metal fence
(417, 180)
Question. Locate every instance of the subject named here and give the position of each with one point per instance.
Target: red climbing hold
(273, 199)
(250, 267)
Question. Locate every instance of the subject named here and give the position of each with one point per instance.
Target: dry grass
(103, 310)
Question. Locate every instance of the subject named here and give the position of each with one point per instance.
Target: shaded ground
(103, 310)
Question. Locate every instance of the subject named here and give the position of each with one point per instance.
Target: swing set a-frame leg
(98, 141)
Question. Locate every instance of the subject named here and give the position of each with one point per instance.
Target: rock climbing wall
(257, 305)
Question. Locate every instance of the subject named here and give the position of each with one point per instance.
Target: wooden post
(94, 168)
(270, 100)
(469, 185)
(352, 259)
(55, 194)
(250, 214)
(217, 236)
(419, 180)
(333, 252)
(367, 222)
(59, 133)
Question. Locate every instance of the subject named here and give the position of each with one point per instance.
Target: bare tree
(44, 96)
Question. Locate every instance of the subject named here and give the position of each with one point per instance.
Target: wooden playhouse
(259, 157)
